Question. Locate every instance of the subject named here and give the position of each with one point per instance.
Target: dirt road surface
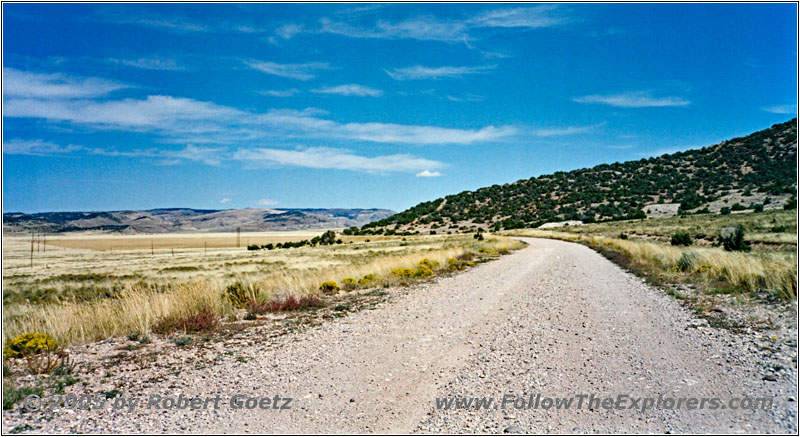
(554, 319)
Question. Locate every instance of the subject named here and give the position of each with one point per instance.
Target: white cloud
(288, 31)
(569, 130)
(206, 155)
(530, 17)
(17, 83)
(225, 201)
(280, 93)
(428, 174)
(638, 99)
(431, 28)
(267, 202)
(350, 90)
(420, 72)
(183, 120)
(421, 28)
(36, 147)
(339, 159)
(782, 109)
(292, 71)
(149, 63)
(165, 113)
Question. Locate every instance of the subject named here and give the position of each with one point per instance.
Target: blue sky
(219, 106)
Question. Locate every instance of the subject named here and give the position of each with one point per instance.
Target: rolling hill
(189, 220)
(760, 169)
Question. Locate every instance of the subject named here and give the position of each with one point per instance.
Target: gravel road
(554, 319)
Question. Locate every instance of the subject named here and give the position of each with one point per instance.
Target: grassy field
(771, 227)
(84, 288)
(770, 266)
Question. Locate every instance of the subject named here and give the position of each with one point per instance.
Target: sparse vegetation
(228, 284)
(680, 239)
(741, 170)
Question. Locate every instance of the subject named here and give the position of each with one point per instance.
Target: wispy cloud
(37, 148)
(350, 90)
(428, 174)
(421, 28)
(188, 121)
(420, 72)
(149, 63)
(533, 17)
(287, 31)
(467, 98)
(225, 200)
(292, 71)
(280, 93)
(17, 83)
(338, 159)
(206, 155)
(568, 130)
(782, 109)
(433, 28)
(639, 99)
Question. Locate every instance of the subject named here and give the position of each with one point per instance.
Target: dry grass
(152, 289)
(773, 271)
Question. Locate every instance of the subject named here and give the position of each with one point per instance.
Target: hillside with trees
(754, 172)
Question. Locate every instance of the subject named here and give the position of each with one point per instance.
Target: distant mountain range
(189, 220)
(741, 173)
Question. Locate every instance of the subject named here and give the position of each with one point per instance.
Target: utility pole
(152, 252)
(238, 233)
(32, 237)
(205, 247)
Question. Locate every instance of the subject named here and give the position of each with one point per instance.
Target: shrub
(238, 294)
(203, 319)
(253, 247)
(725, 210)
(329, 287)
(293, 303)
(758, 207)
(429, 263)
(778, 229)
(623, 236)
(737, 207)
(29, 344)
(404, 273)
(366, 280)
(732, 239)
(685, 261)
(349, 283)
(681, 239)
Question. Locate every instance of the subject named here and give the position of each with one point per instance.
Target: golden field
(89, 287)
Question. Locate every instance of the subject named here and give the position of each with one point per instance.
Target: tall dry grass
(773, 271)
(140, 307)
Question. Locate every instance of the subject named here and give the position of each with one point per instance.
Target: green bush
(732, 239)
(681, 239)
(725, 211)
